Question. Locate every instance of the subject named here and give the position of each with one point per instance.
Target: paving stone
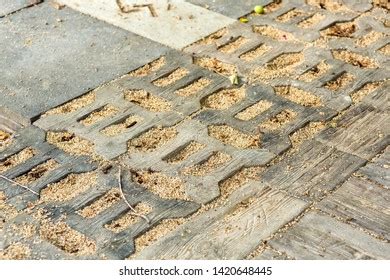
(233, 230)
(113, 94)
(33, 137)
(11, 6)
(230, 8)
(52, 56)
(176, 26)
(362, 203)
(312, 172)
(361, 131)
(318, 236)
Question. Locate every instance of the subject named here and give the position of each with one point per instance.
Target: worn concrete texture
(51, 56)
(11, 6)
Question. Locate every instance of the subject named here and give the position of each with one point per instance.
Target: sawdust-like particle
(315, 72)
(298, 96)
(172, 77)
(339, 82)
(16, 159)
(71, 143)
(155, 233)
(369, 38)
(354, 59)
(212, 38)
(185, 152)
(344, 29)
(215, 65)
(193, 87)
(99, 115)
(24, 229)
(147, 100)
(272, 32)
(233, 45)
(229, 185)
(224, 98)
(385, 50)
(382, 4)
(254, 110)
(5, 139)
(365, 90)
(160, 184)
(148, 68)
(279, 120)
(119, 128)
(152, 139)
(7, 212)
(255, 52)
(16, 251)
(305, 133)
(102, 203)
(290, 15)
(37, 172)
(281, 66)
(233, 137)
(272, 7)
(312, 21)
(66, 238)
(129, 218)
(330, 5)
(216, 160)
(73, 105)
(69, 187)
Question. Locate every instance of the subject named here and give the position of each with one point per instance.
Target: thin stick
(124, 198)
(20, 185)
(125, 8)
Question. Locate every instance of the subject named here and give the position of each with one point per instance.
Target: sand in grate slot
(315, 72)
(152, 139)
(212, 38)
(279, 120)
(216, 160)
(340, 82)
(149, 68)
(290, 15)
(16, 159)
(369, 39)
(37, 172)
(234, 137)
(15, 251)
(102, 203)
(305, 133)
(254, 110)
(354, 59)
(272, 32)
(73, 105)
(193, 87)
(224, 98)
(99, 115)
(298, 96)
(311, 21)
(358, 95)
(147, 101)
(215, 65)
(233, 45)
(330, 5)
(345, 29)
(255, 53)
(171, 78)
(385, 50)
(121, 127)
(186, 152)
(7, 212)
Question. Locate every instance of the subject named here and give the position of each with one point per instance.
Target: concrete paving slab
(174, 23)
(51, 56)
(11, 6)
(230, 8)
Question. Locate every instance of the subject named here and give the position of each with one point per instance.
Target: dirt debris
(160, 184)
(385, 50)
(365, 90)
(315, 72)
(17, 159)
(194, 87)
(255, 52)
(185, 152)
(149, 68)
(102, 203)
(254, 110)
(290, 15)
(345, 29)
(298, 96)
(339, 82)
(171, 78)
(37, 172)
(119, 128)
(272, 7)
(15, 251)
(74, 105)
(354, 59)
(128, 219)
(5, 139)
(99, 115)
(330, 5)
(71, 241)
(216, 160)
(369, 38)
(215, 65)
(279, 120)
(311, 21)
(147, 100)
(152, 139)
(272, 32)
(7, 212)
(224, 99)
(233, 45)
(234, 137)
(69, 187)
(212, 38)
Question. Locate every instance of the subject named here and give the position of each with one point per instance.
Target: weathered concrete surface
(50, 56)
(11, 6)
(173, 23)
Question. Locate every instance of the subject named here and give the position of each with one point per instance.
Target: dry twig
(126, 201)
(20, 185)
